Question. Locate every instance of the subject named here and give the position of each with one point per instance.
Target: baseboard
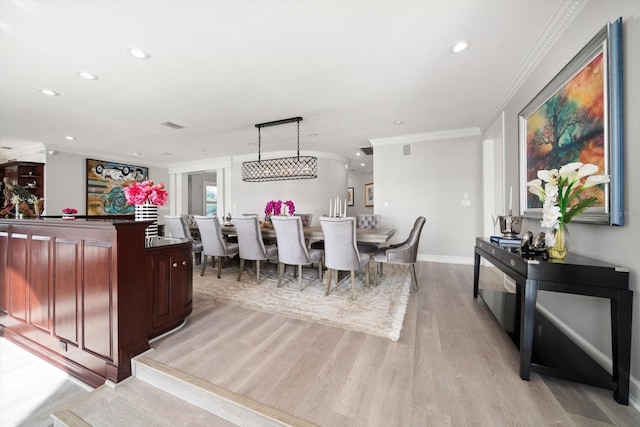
(445, 259)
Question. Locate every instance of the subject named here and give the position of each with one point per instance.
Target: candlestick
(511, 197)
(330, 208)
(345, 208)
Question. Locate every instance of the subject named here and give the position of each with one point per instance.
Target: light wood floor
(453, 365)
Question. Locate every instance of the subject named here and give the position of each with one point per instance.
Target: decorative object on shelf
(283, 168)
(510, 225)
(228, 219)
(146, 197)
(337, 208)
(278, 207)
(580, 115)
(69, 213)
(561, 200)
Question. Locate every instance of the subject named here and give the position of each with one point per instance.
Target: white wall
(357, 181)
(309, 195)
(66, 183)
(431, 182)
(589, 317)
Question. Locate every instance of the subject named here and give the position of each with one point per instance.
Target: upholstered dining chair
(368, 221)
(213, 242)
(340, 250)
(251, 245)
(292, 248)
(306, 219)
(179, 229)
(402, 253)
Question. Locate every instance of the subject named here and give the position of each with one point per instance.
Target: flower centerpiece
(146, 197)
(278, 207)
(561, 200)
(146, 193)
(68, 213)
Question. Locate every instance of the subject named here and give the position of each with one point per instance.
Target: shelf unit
(29, 175)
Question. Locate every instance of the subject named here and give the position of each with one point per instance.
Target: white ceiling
(349, 68)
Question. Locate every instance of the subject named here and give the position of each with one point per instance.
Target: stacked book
(507, 242)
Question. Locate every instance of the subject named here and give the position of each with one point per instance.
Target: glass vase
(560, 242)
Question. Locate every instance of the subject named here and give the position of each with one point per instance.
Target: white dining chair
(213, 242)
(340, 250)
(292, 248)
(251, 245)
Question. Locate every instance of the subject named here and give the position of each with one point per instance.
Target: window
(210, 199)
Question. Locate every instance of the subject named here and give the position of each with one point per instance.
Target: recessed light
(313, 135)
(361, 164)
(358, 153)
(165, 153)
(138, 53)
(49, 92)
(399, 122)
(460, 46)
(70, 138)
(86, 75)
(137, 154)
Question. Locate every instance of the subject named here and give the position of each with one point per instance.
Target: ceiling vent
(367, 150)
(172, 125)
(4, 147)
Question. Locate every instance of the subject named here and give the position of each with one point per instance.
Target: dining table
(363, 235)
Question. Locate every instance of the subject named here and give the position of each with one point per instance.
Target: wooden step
(160, 395)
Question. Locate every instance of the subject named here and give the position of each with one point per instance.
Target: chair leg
(258, 271)
(367, 283)
(300, 276)
(240, 269)
(320, 271)
(204, 265)
(415, 278)
(280, 271)
(326, 291)
(375, 275)
(353, 284)
(220, 261)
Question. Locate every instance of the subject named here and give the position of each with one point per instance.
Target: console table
(574, 275)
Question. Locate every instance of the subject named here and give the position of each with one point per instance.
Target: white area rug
(377, 310)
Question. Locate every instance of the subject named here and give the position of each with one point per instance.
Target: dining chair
(292, 248)
(368, 221)
(251, 245)
(306, 219)
(179, 229)
(213, 242)
(402, 253)
(340, 250)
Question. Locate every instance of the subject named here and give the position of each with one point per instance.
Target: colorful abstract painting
(105, 186)
(570, 127)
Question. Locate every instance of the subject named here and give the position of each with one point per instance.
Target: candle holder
(510, 225)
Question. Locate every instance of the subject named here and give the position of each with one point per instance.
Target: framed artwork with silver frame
(578, 117)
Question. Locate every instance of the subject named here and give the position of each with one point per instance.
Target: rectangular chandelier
(280, 169)
(283, 168)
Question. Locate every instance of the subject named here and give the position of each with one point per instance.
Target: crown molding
(557, 24)
(426, 137)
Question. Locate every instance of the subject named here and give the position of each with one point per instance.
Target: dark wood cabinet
(29, 175)
(79, 293)
(169, 280)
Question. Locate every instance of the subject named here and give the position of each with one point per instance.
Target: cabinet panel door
(97, 299)
(18, 281)
(4, 274)
(164, 267)
(66, 289)
(39, 289)
(185, 287)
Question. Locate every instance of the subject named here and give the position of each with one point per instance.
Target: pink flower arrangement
(69, 211)
(141, 193)
(275, 207)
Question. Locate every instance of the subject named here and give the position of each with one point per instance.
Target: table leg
(476, 274)
(621, 312)
(527, 317)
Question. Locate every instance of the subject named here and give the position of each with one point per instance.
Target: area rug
(377, 310)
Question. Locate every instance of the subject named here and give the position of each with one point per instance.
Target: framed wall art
(368, 195)
(578, 117)
(105, 186)
(349, 196)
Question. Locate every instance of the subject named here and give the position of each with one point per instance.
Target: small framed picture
(368, 195)
(349, 196)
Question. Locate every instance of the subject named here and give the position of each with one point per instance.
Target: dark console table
(574, 275)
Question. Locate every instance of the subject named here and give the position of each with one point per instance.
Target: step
(159, 395)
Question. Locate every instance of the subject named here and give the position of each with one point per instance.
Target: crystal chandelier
(283, 168)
